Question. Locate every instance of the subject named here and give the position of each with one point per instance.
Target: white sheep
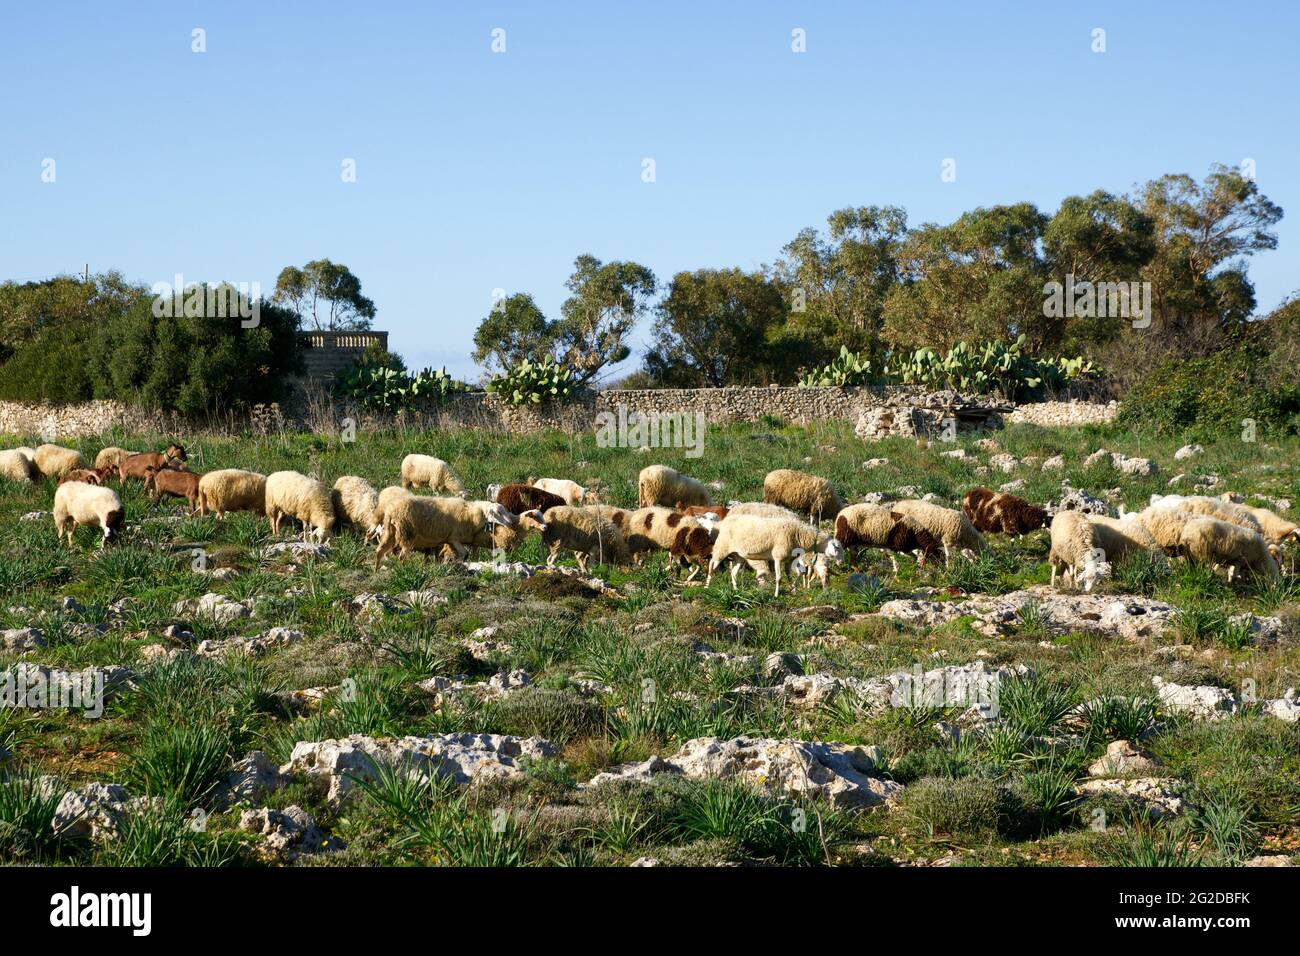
(425, 471)
(761, 509)
(1121, 537)
(802, 492)
(55, 461)
(77, 503)
(1222, 542)
(449, 526)
(295, 495)
(232, 489)
(572, 492)
(355, 501)
(1165, 525)
(661, 485)
(1074, 551)
(950, 527)
(586, 533)
(17, 466)
(1276, 529)
(1208, 507)
(757, 539)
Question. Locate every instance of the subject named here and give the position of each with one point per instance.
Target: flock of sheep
(675, 515)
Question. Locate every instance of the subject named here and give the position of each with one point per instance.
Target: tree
(326, 294)
(27, 309)
(606, 302)
(515, 329)
(979, 279)
(713, 329)
(844, 279)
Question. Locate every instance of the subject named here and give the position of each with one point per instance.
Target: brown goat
(89, 475)
(995, 512)
(133, 466)
(519, 498)
(174, 483)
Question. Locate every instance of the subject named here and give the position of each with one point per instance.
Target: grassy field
(1005, 794)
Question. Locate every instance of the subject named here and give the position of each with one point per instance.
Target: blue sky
(478, 171)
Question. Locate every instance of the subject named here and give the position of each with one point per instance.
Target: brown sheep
(89, 475)
(519, 498)
(172, 482)
(996, 512)
(693, 545)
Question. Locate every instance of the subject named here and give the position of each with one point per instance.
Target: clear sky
(477, 170)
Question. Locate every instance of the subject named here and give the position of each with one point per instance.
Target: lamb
(232, 489)
(873, 526)
(952, 528)
(587, 534)
(1208, 507)
(77, 503)
(450, 526)
(134, 466)
(111, 457)
(809, 566)
(661, 485)
(757, 539)
(500, 536)
(425, 471)
(1222, 542)
(1074, 551)
(995, 512)
(16, 465)
(355, 501)
(802, 492)
(293, 494)
(173, 482)
(55, 461)
(572, 492)
(654, 529)
(519, 497)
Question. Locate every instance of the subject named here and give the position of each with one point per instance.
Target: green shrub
(964, 806)
(528, 382)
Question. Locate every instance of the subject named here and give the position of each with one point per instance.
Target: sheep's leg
(581, 557)
(735, 570)
(1053, 574)
(776, 567)
(691, 577)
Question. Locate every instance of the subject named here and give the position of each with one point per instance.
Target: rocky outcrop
(840, 773)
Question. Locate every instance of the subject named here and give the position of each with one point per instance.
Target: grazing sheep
(16, 465)
(654, 529)
(519, 497)
(355, 501)
(1208, 507)
(802, 492)
(614, 513)
(1165, 525)
(1222, 542)
(232, 489)
(499, 536)
(1074, 551)
(572, 492)
(757, 539)
(952, 528)
(425, 471)
(55, 461)
(661, 485)
(294, 495)
(447, 525)
(77, 503)
(994, 512)
(1276, 529)
(134, 466)
(761, 509)
(387, 498)
(1120, 537)
(873, 526)
(111, 457)
(173, 482)
(587, 534)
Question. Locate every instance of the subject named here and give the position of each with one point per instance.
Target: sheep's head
(590, 496)
(1095, 568)
(1275, 553)
(493, 491)
(834, 550)
(532, 520)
